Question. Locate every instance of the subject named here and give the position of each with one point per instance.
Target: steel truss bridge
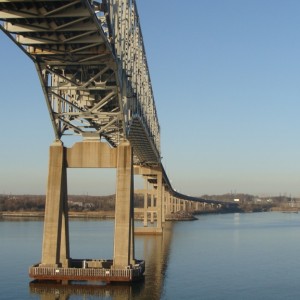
(92, 65)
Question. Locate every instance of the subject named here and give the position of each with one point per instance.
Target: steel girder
(92, 66)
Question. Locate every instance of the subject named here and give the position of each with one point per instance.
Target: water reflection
(236, 232)
(155, 251)
(51, 291)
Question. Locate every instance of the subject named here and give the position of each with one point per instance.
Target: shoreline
(111, 214)
(40, 214)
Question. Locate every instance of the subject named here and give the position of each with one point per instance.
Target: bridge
(92, 65)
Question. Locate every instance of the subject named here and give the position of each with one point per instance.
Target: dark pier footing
(89, 270)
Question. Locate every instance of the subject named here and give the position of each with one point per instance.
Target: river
(224, 256)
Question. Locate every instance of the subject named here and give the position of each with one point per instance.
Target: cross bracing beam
(92, 65)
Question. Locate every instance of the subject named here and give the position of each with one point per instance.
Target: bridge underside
(92, 66)
(86, 88)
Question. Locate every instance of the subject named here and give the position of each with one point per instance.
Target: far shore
(111, 214)
(72, 214)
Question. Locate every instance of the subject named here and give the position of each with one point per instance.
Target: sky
(225, 77)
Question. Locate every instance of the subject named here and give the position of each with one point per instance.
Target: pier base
(89, 270)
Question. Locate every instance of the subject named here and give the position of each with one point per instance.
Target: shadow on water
(154, 249)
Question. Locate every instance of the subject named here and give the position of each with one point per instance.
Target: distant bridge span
(92, 65)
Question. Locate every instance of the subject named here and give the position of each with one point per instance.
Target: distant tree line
(75, 202)
(107, 203)
(252, 203)
(247, 198)
(23, 202)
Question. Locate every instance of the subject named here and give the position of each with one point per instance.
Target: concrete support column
(55, 249)
(124, 223)
(152, 208)
(184, 205)
(159, 201)
(163, 206)
(145, 202)
(174, 204)
(65, 242)
(168, 203)
(171, 204)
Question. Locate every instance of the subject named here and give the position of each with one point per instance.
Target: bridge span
(92, 65)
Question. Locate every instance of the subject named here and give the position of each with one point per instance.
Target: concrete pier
(56, 263)
(153, 178)
(124, 223)
(55, 249)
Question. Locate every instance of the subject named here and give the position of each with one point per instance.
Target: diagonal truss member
(92, 66)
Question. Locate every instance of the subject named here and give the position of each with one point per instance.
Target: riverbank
(179, 216)
(37, 214)
(285, 209)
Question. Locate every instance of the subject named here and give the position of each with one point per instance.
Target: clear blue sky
(226, 79)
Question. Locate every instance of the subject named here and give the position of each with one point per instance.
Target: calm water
(234, 256)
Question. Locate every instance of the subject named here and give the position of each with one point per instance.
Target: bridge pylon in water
(56, 263)
(153, 177)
